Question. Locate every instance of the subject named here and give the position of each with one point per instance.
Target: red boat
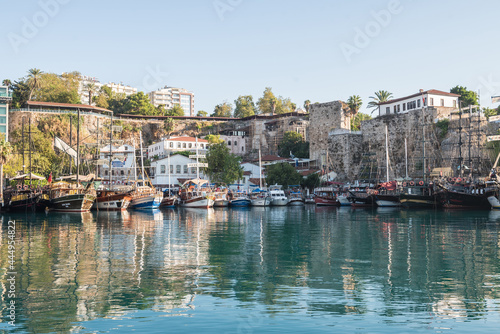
(325, 197)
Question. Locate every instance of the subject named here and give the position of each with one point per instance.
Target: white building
(170, 96)
(5, 98)
(123, 164)
(179, 171)
(429, 98)
(116, 88)
(177, 144)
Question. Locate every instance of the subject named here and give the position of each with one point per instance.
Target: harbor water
(252, 270)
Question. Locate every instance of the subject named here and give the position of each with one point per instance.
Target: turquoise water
(258, 270)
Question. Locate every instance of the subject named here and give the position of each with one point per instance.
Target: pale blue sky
(220, 49)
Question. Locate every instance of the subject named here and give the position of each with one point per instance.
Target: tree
(138, 104)
(294, 143)
(488, 112)
(467, 97)
(357, 119)
(176, 110)
(34, 80)
(380, 96)
(6, 82)
(202, 113)
(267, 103)
(354, 102)
(5, 151)
(222, 110)
(223, 166)
(283, 174)
(214, 139)
(311, 181)
(307, 105)
(91, 88)
(244, 106)
(293, 106)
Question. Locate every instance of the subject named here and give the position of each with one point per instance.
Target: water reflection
(382, 265)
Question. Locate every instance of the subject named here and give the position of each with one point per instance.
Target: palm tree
(307, 104)
(5, 150)
(380, 96)
(34, 80)
(91, 88)
(354, 102)
(293, 106)
(7, 82)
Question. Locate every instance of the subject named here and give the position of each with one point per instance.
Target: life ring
(357, 189)
(404, 184)
(375, 192)
(459, 179)
(412, 183)
(421, 183)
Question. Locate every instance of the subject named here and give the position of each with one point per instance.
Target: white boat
(220, 199)
(195, 193)
(278, 197)
(495, 203)
(260, 197)
(343, 199)
(295, 198)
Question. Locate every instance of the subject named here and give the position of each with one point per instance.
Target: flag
(495, 99)
(50, 178)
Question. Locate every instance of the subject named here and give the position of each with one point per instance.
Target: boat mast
(168, 166)
(97, 150)
(260, 170)
(70, 143)
(29, 145)
(387, 153)
(22, 136)
(110, 151)
(78, 147)
(197, 167)
(142, 161)
(406, 158)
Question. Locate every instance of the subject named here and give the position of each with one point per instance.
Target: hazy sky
(318, 49)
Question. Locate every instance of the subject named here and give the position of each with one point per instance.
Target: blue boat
(239, 198)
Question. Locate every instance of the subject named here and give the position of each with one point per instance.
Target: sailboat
(72, 197)
(169, 200)
(260, 196)
(145, 196)
(386, 193)
(23, 198)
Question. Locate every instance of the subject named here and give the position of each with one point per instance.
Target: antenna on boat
(142, 161)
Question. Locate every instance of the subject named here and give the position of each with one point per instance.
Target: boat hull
(387, 200)
(117, 202)
(72, 203)
(152, 201)
(458, 200)
(494, 202)
(321, 201)
(296, 202)
(35, 203)
(279, 201)
(198, 202)
(240, 202)
(261, 201)
(417, 201)
(168, 202)
(221, 203)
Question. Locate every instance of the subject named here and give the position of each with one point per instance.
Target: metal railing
(62, 111)
(6, 94)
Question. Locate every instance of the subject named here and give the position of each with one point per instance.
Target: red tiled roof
(271, 158)
(65, 105)
(308, 172)
(256, 181)
(430, 91)
(247, 172)
(193, 139)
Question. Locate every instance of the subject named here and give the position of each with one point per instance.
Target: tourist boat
(295, 197)
(220, 199)
(26, 200)
(344, 199)
(112, 200)
(325, 196)
(195, 193)
(417, 194)
(145, 197)
(260, 197)
(70, 197)
(309, 199)
(239, 198)
(494, 202)
(386, 194)
(278, 197)
(467, 195)
(169, 200)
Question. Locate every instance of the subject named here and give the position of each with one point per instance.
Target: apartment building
(170, 96)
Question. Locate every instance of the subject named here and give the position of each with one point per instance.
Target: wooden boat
(195, 193)
(325, 196)
(70, 197)
(220, 199)
(112, 200)
(418, 194)
(26, 200)
(467, 195)
(295, 197)
(239, 198)
(145, 197)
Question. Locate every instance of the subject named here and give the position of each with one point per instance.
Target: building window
(418, 103)
(193, 170)
(171, 169)
(395, 110)
(171, 145)
(431, 102)
(106, 173)
(399, 107)
(242, 149)
(387, 110)
(454, 103)
(122, 173)
(404, 106)
(185, 169)
(178, 145)
(442, 102)
(229, 143)
(235, 143)
(178, 169)
(162, 169)
(190, 145)
(183, 145)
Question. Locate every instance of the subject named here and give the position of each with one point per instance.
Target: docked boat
(494, 202)
(260, 197)
(145, 197)
(278, 197)
(239, 198)
(221, 199)
(295, 198)
(70, 197)
(309, 199)
(26, 200)
(417, 194)
(112, 200)
(467, 195)
(325, 196)
(387, 195)
(343, 199)
(195, 193)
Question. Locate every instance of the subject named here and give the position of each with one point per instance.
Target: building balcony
(5, 95)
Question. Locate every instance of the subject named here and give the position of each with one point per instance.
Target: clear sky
(321, 50)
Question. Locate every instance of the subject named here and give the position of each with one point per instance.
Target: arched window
(122, 172)
(106, 173)
(229, 143)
